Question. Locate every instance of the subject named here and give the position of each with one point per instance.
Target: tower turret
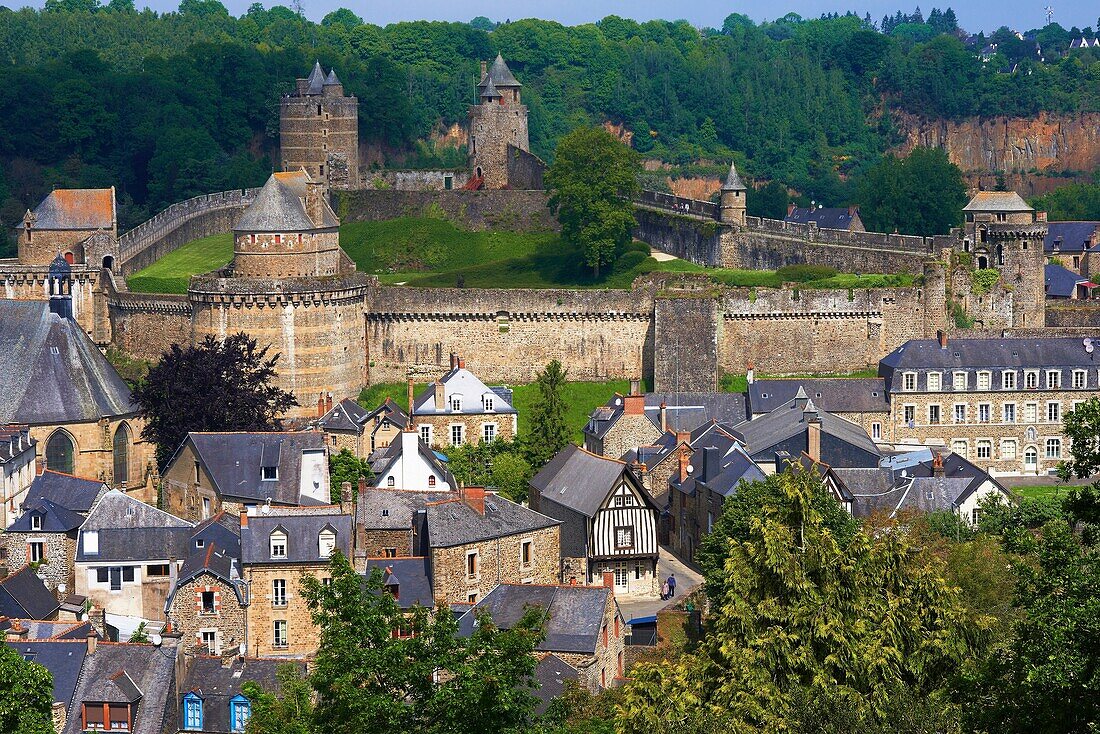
(497, 122)
(319, 130)
(733, 201)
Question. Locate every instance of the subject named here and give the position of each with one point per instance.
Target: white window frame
(1005, 410)
(273, 543)
(938, 410)
(1054, 411)
(987, 408)
(1080, 379)
(461, 434)
(876, 430)
(32, 544)
(1012, 445)
(935, 381)
(985, 377)
(455, 403)
(326, 542)
(1055, 443)
(1054, 380)
(488, 432)
(1033, 409)
(959, 381)
(962, 444)
(1031, 379)
(909, 381)
(987, 445)
(476, 566)
(216, 648)
(526, 548)
(278, 593)
(275, 627)
(487, 403)
(1008, 380)
(426, 433)
(909, 415)
(955, 414)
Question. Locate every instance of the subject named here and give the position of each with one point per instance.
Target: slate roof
(551, 672)
(575, 613)
(499, 75)
(919, 494)
(302, 526)
(718, 471)
(130, 530)
(1071, 236)
(997, 201)
(124, 672)
(956, 467)
(332, 78)
(684, 411)
(1006, 353)
(217, 684)
(393, 509)
(74, 493)
(489, 91)
(453, 522)
(836, 395)
(214, 561)
(15, 442)
(823, 217)
(42, 629)
(234, 460)
(346, 415)
(76, 209)
(1060, 282)
(790, 419)
(578, 479)
(54, 518)
(223, 529)
(384, 459)
(24, 596)
(62, 658)
(460, 381)
(281, 207)
(51, 372)
(316, 79)
(412, 577)
(733, 181)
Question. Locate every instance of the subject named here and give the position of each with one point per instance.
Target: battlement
(219, 288)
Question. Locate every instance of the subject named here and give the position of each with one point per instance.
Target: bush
(804, 273)
(630, 260)
(982, 281)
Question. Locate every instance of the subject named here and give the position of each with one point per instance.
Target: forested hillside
(168, 106)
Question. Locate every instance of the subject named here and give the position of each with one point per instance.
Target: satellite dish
(1089, 349)
(690, 468)
(155, 639)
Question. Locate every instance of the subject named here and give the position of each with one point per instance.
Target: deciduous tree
(26, 695)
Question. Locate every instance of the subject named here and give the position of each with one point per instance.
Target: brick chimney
(474, 497)
(941, 335)
(362, 488)
(484, 71)
(320, 404)
(17, 631)
(328, 402)
(609, 580)
(684, 459)
(92, 639)
(683, 437)
(813, 436)
(635, 387)
(461, 363)
(454, 360)
(315, 202)
(634, 403)
(664, 416)
(937, 466)
(244, 518)
(347, 505)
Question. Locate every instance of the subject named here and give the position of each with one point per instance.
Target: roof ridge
(598, 456)
(71, 476)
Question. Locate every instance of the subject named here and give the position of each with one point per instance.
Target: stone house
(656, 464)
(584, 626)
(65, 490)
(350, 426)
(1070, 243)
(23, 595)
(391, 523)
(278, 548)
(609, 521)
(459, 408)
(45, 536)
(17, 470)
(410, 464)
(863, 401)
(64, 221)
(996, 402)
(127, 554)
(228, 472)
(408, 580)
(209, 694)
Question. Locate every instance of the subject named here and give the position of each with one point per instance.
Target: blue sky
(974, 15)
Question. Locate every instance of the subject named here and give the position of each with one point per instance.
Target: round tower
(498, 121)
(733, 201)
(319, 130)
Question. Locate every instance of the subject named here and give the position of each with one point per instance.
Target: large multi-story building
(319, 130)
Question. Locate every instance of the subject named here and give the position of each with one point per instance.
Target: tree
(592, 183)
(26, 695)
(921, 194)
(342, 16)
(215, 386)
(871, 625)
(511, 474)
(547, 433)
(499, 464)
(290, 712)
(345, 466)
(769, 201)
(140, 634)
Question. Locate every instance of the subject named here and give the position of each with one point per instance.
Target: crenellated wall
(145, 326)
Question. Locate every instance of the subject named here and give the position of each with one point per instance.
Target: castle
(319, 130)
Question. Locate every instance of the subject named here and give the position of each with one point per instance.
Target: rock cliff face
(1047, 143)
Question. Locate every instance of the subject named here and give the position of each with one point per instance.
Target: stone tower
(733, 200)
(498, 122)
(319, 130)
(1001, 231)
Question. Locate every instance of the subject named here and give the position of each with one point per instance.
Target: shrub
(630, 260)
(982, 281)
(804, 273)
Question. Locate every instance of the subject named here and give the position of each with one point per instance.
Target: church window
(59, 452)
(122, 454)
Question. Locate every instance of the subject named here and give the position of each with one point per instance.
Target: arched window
(122, 454)
(983, 262)
(59, 452)
(431, 481)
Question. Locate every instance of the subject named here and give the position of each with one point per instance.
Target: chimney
(684, 459)
(937, 466)
(362, 485)
(409, 425)
(328, 402)
(710, 463)
(683, 437)
(813, 437)
(320, 404)
(244, 518)
(484, 71)
(315, 202)
(664, 417)
(347, 507)
(59, 716)
(440, 395)
(609, 580)
(635, 387)
(750, 375)
(942, 336)
(474, 497)
(461, 363)
(17, 631)
(92, 639)
(790, 208)
(454, 360)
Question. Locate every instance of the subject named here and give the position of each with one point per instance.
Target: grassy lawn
(173, 272)
(731, 382)
(581, 398)
(1041, 491)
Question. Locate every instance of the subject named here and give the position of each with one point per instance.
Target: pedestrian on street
(671, 585)
(664, 591)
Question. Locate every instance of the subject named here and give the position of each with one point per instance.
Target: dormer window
(36, 521)
(192, 712)
(487, 403)
(278, 544)
(91, 542)
(240, 710)
(117, 716)
(431, 481)
(326, 542)
(456, 403)
(269, 473)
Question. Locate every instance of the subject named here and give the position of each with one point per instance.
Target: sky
(973, 15)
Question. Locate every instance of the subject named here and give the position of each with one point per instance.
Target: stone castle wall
(525, 169)
(415, 180)
(1073, 315)
(22, 282)
(146, 326)
(514, 211)
(319, 130)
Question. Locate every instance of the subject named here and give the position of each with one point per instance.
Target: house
(278, 548)
(584, 627)
(407, 579)
(17, 470)
(126, 556)
(656, 464)
(862, 401)
(799, 426)
(1063, 283)
(64, 221)
(1070, 242)
(458, 408)
(350, 426)
(553, 675)
(216, 472)
(206, 605)
(629, 421)
(410, 464)
(391, 523)
(609, 522)
(45, 535)
(55, 381)
(705, 478)
(209, 694)
(65, 490)
(846, 218)
(23, 595)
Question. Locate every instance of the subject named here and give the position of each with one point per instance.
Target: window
(934, 381)
(389, 552)
(101, 575)
(205, 507)
(198, 474)
(472, 565)
(278, 592)
(958, 381)
(525, 553)
(1054, 448)
(984, 411)
(984, 380)
(1054, 379)
(1080, 379)
(1008, 412)
(624, 537)
(91, 542)
(240, 710)
(269, 473)
(333, 439)
(1008, 380)
(489, 432)
(390, 482)
(1031, 412)
(207, 601)
(1008, 449)
(278, 239)
(1031, 458)
(119, 716)
(59, 452)
(36, 522)
(487, 403)
(128, 574)
(122, 454)
(36, 552)
(210, 641)
(116, 578)
(326, 542)
(876, 430)
(431, 481)
(960, 412)
(458, 435)
(456, 403)
(1031, 379)
(93, 716)
(984, 449)
(933, 415)
(622, 578)
(279, 637)
(959, 448)
(426, 434)
(624, 500)
(278, 544)
(909, 381)
(1054, 412)
(908, 413)
(471, 598)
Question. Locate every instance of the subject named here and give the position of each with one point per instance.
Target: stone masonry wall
(146, 326)
(499, 562)
(686, 334)
(188, 619)
(689, 238)
(756, 248)
(57, 565)
(473, 427)
(302, 635)
(599, 670)
(525, 169)
(416, 180)
(30, 283)
(515, 211)
(1073, 316)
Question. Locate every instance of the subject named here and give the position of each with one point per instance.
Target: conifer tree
(548, 433)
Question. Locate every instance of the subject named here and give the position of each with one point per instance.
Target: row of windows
(1051, 412)
(326, 543)
(1009, 380)
(488, 403)
(458, 433)
(1009, 450)
(61, 453)
(473, 559)
(240, 709)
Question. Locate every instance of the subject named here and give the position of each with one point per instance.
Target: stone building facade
(64, 223)
(498, 125)
(319, 130)
(55, 564)
(17, 470)
(606, 663)
(532, 557)
(208, 610)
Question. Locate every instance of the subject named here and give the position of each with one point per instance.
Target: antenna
(1050, 13)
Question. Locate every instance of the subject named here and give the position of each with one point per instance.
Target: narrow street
(687, 580)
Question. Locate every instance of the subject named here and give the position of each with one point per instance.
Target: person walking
(664, 591)
(671, 585)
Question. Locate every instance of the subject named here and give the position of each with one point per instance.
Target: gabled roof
(460, 381)
(719, 471)
(73, 493)
(130, 530)
(575, 614)
(346, 415)
(24, 596)
(76, 209)
(281, 207)
(489, 91)
(918, 494)
(393, 509)
(453, 522)
(1071, 236)
(733, 181)
(62, 658)
(791, 419)
(836, 395)
(127, 673)
(53, 518)
(223, 529)
(302, 526)
(684, 411)
(579, 480)
(217, 684)
(1005, 353)
(1060, 282)
(410, 575)
(384, 460)
(51, 372)
(997, 201)
(16, 443)
(823, 217)
(213, 561)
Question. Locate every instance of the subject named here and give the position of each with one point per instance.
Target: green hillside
(173, 272)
